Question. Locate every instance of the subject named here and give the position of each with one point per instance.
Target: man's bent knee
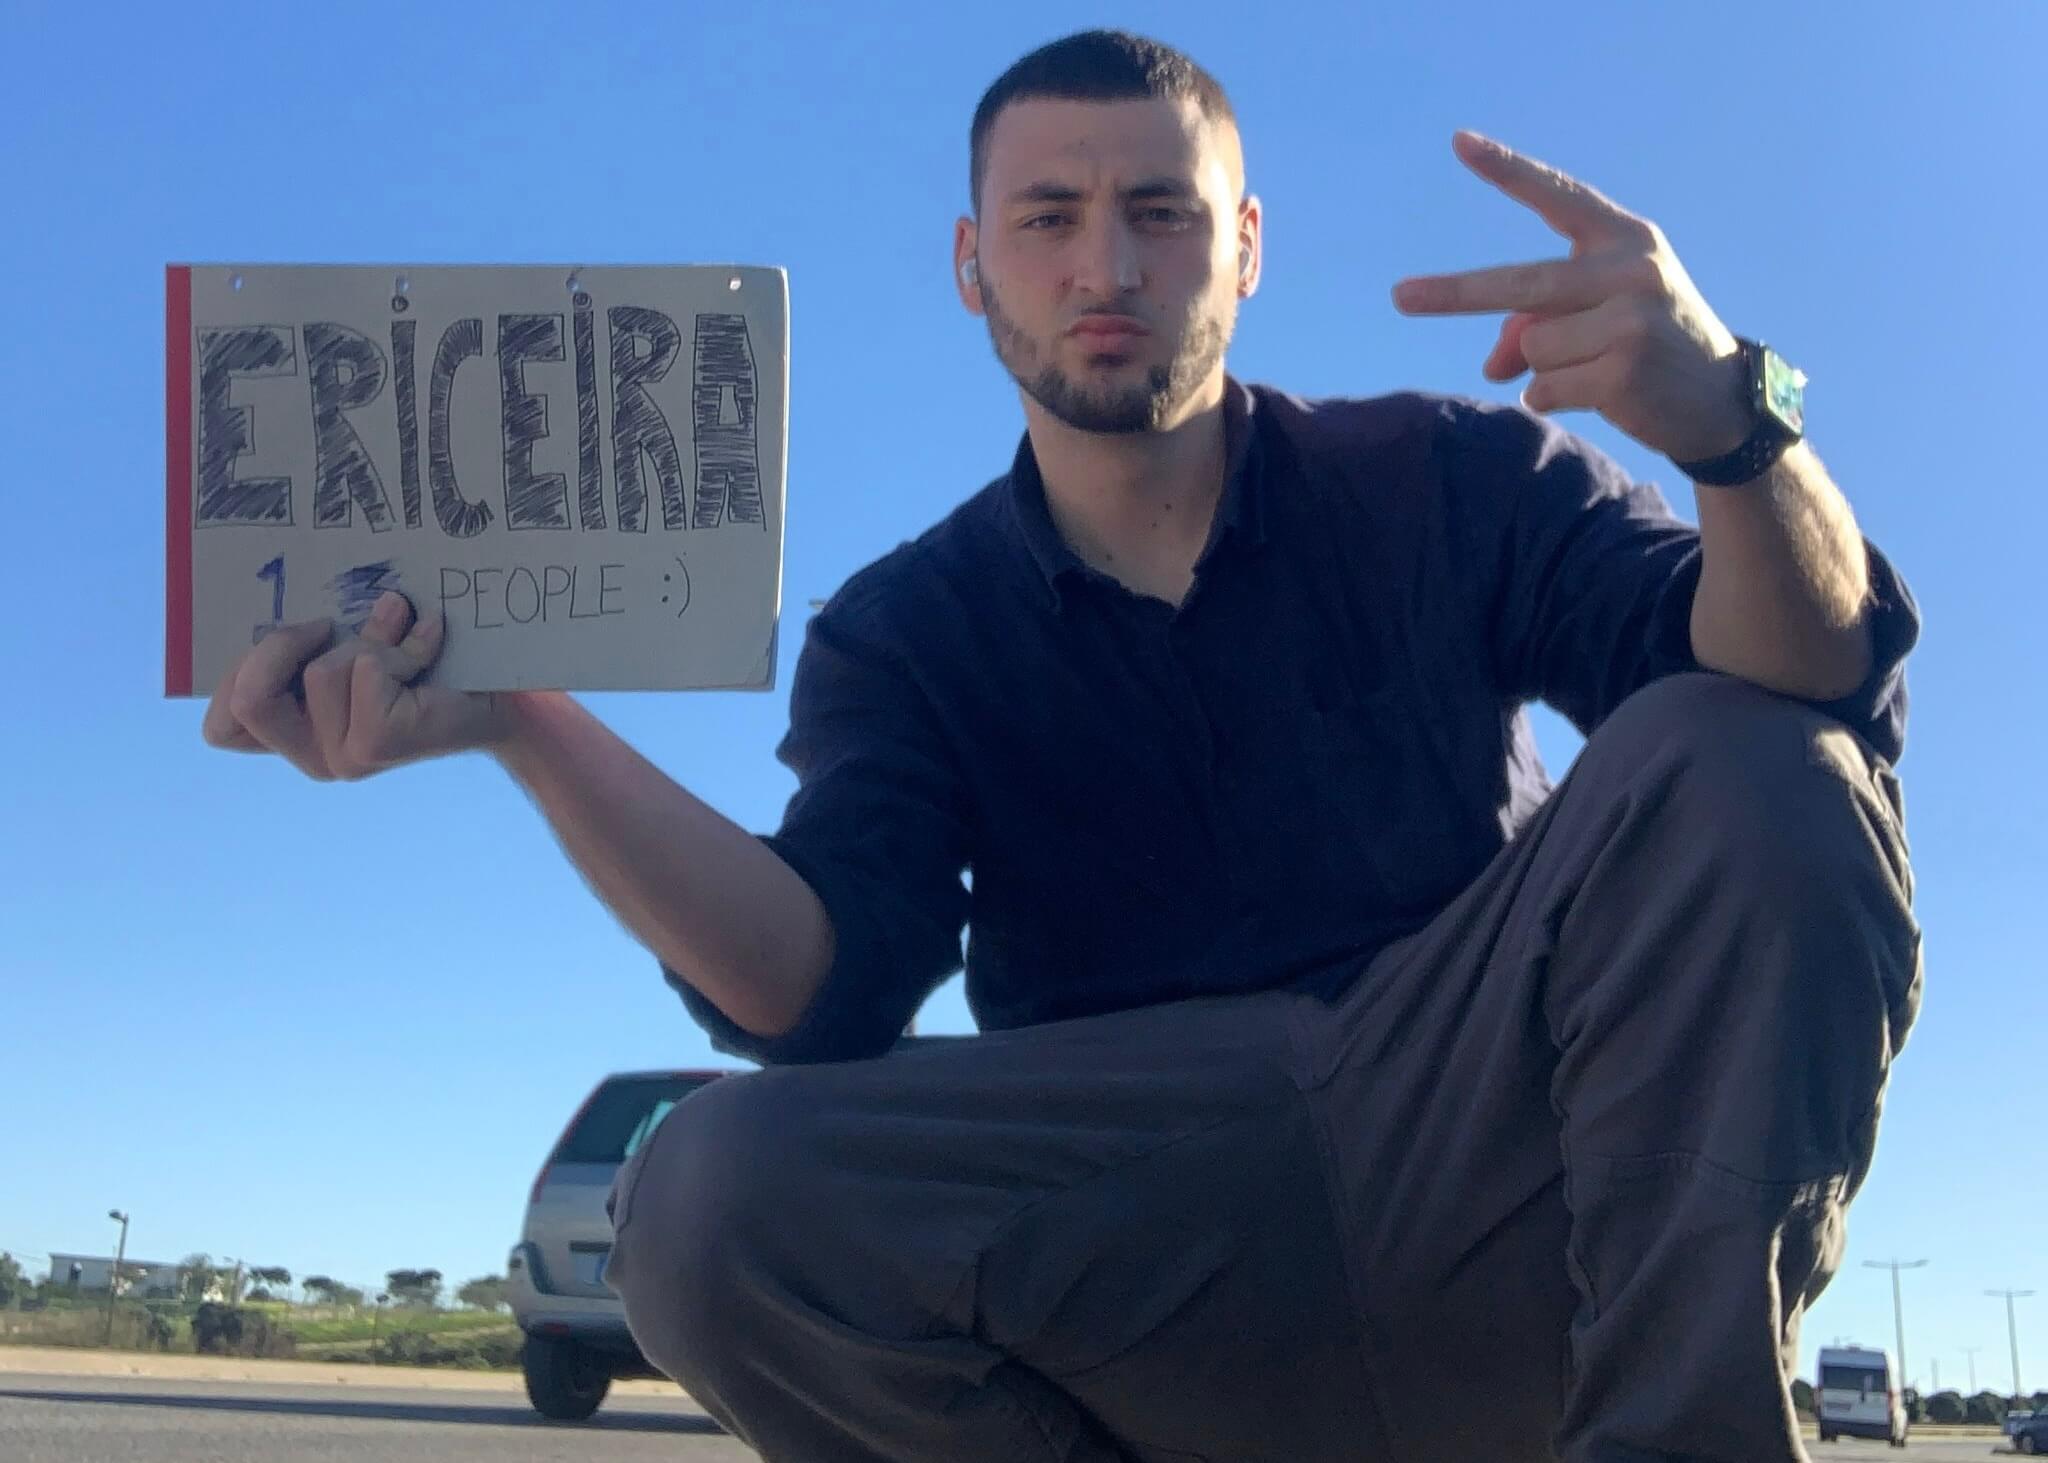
(686, 1207)
(1739, 761)
(1708, 713)
(1755, 807)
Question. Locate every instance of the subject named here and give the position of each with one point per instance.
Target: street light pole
(2012, 1333)
(1971, 1353)
(114, 1280)
(1898, 1305)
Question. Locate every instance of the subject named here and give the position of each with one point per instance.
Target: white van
(1858, 1396)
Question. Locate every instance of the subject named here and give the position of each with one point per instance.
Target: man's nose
(1106, 265)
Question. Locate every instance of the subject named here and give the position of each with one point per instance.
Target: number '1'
(274, 572)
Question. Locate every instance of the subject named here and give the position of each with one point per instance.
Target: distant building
(138, 1277)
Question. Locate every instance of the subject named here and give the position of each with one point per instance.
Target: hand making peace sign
(1616, 328)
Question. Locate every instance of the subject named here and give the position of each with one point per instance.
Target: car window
(647, 1125)
(621, 1117)
(1863, 1380)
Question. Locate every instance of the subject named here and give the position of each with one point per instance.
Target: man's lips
(1107, 327)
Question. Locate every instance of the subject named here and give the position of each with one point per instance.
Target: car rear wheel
(564, 1380)
(2027, 1444)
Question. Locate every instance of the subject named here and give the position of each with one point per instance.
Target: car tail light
(540, 1180)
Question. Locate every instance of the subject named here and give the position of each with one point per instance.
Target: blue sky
(336, 1027)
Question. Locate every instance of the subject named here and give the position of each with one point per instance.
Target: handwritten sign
(583, 468)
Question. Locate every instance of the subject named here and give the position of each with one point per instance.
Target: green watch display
(1777, 400)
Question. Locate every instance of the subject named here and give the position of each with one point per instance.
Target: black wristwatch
(1777, 402)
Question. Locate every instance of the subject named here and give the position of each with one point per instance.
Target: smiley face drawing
(679, 588)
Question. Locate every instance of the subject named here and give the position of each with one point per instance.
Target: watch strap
(1767, 440)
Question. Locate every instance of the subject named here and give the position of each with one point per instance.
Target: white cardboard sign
(583, 468)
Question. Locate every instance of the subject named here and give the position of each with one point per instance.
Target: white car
(575, 1325)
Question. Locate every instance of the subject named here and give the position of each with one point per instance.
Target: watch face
(1784, 391)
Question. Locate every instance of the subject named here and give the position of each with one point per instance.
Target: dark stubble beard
(1121, 409)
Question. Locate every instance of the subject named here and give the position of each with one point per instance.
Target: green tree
(158, 1330)
(486, 1293)
(1946, 1407)
(13, 1284)
(1985, 1409)
(272, 1278)
(216, 1328)
(199, 1275)
(321, 1289)
(414, 1287)
(326, 1290)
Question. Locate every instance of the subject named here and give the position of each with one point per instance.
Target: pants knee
(1767, 824)
(686, 1213)
(1793, 793)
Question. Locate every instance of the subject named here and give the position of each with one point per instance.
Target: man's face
(1108, 249)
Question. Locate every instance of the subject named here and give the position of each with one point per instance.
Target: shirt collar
(1238, 512)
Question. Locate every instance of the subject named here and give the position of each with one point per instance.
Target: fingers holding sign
(356, 690)
(1617, 327)
(347, 706)
(256, 707)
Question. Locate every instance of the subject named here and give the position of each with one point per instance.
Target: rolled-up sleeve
(1594, 577)
(876, 828)
(1876, 710)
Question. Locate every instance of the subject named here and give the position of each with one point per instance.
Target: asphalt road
(72, 1419)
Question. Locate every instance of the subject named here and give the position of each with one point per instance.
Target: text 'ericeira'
(349, 372)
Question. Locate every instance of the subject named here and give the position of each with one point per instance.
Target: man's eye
(1161, 215)
(1045, 221)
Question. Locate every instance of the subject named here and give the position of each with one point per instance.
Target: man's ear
(1251, 225)
(966, 279)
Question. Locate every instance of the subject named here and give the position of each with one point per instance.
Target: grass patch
(393, 1322)
(472, 1348)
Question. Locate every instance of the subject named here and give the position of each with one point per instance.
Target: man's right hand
(344, 709)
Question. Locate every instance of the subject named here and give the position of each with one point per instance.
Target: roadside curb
(161, 1366)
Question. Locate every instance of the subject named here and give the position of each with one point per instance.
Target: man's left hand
(1616, 328)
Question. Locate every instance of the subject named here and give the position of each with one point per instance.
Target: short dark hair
(1093, 66)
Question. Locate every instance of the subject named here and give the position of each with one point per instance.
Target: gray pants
(1556, 1175)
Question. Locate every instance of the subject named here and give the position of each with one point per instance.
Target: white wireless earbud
(1244, 259)
(970, 272)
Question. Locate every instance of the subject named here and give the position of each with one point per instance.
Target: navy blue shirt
(1306, 759)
